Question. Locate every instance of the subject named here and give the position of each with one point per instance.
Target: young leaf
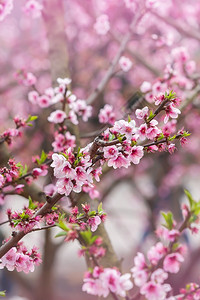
(168, 219)
(62, 233)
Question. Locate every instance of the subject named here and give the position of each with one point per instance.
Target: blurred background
(62, 39)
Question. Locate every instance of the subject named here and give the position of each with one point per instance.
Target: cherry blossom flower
(33, 8)
(125, 63)
(136, 154)
(8, 260)
(171, 112)
(142, 113)
(33, 97)
(94, 222)
(106, 115)
(153, 291)
(64, 81)
(57, 116)
(145, 87)
(43, 101)
(172, 262)
(110, 152)
(6, 7)
(119, 162)
(102, 25)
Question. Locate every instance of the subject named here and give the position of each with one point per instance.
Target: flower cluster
(73, 172)
(102, 281)
(152, 283)
(8, 175)
(107, 115)
(24, 221)
(21, 259)
(61, 94)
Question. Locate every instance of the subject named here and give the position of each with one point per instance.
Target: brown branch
(19, 235)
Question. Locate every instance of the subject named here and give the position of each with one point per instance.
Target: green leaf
(175, 246)
(87, 236)
(93, 239)
(31, 205)
(62, 225)
(92, 213)
(2, 293)
(54, 208)
(171, 138)
(161, 136)
(80, 215)
(100, 209)
(31, 118)
(190, 199)
(186, 133)
(151, 116)
(43, 157)
(168, 219)
(171, 95)
(111, 136)
(129, 119)
(65, 155)
(62, 233)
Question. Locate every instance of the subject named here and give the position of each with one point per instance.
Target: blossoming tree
(69, 136)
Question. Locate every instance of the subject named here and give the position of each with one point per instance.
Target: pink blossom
(171, 112)
(171, 148)
(58, 162)
(124, 127)
(153, 291)
(153, 130)
(33, 97)
(156, 252)
(125, 63)
(39, 172)
(2, 180)
(33, 8)
(106, 115)
(82, 109)
(29, 79)
(57, 116)
(6, 7)
(140, 276)
(102, 25)
(130, 4)
(43, 101)
(159, 276)
(145, 87)
(64, 81)
(73, 117)
(19, 188)
(172, 262)
(180, 54)
(119, 161)
(50, 189)
(136, 154)
(94, 222)
(64, 186)
(142, 113)
(110, 152)
(142, 130)
(8, 260)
